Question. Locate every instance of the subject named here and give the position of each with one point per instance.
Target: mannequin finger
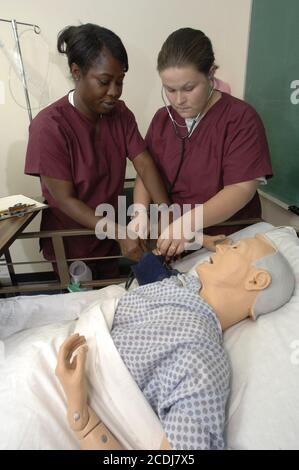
(81, 357)
(70, 346)
(81, 340)
(65, 347)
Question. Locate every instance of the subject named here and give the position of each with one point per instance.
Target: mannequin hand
(140, 225)
(71, 375)
(210, 242)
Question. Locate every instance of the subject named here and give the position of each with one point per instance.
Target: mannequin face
(186, 89)
(231, 265)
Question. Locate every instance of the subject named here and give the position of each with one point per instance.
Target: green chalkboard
(272, 87)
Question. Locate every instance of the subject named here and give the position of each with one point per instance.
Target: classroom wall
(143, 25)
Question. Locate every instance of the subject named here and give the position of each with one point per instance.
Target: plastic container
(79, 272)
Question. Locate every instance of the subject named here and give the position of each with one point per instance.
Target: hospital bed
(263, 408)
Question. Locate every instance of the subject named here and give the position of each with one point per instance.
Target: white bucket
(80, 272)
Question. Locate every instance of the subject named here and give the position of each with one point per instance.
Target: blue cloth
(171, 341)
(151, 268)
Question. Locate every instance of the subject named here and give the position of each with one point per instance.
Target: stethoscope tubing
(181, 137)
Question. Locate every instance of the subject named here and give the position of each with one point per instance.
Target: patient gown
(171, 341)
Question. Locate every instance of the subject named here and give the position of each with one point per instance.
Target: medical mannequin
(231, 283)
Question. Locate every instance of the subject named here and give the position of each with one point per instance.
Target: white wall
(143, 25)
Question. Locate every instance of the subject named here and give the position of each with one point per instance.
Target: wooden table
(12, 228)
(9, 231)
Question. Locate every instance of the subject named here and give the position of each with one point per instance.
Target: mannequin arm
(96, 436)
(87, 426)
(92, 433)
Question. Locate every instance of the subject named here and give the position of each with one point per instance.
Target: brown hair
(187, 46)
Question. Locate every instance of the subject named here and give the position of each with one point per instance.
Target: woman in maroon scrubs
(209, 147)
(78, 146)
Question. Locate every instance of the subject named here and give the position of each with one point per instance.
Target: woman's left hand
(171, 241)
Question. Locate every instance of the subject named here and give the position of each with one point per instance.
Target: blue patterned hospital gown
(171, 341)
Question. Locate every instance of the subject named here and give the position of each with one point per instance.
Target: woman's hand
(131, 246)
(71, 374)
(172, 240)
(127, 239)
(179, 235)
(209, 242)
(140, 224)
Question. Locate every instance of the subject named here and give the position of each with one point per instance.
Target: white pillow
(263, 411)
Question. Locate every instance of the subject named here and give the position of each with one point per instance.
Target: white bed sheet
(32, 404)
(263, 410)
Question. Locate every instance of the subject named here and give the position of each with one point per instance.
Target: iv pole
(14, 25)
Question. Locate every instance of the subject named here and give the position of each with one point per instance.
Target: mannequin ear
(258, 279)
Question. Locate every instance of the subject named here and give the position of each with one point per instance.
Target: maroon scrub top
(228, 146)
(64, 144)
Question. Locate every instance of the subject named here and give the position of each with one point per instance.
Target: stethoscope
(182, 138)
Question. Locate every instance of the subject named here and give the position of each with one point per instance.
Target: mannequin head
(239, 280)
